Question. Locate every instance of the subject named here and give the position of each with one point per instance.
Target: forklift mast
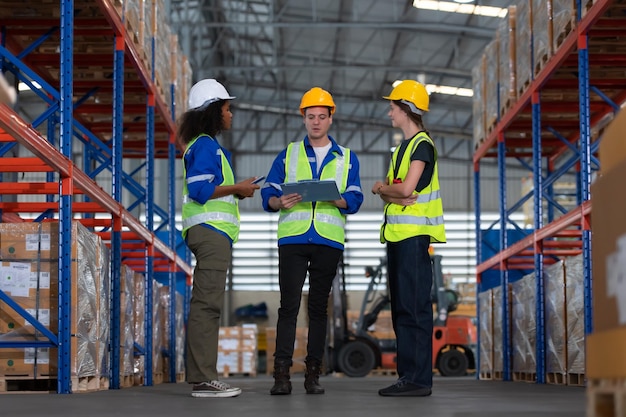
(445, 300)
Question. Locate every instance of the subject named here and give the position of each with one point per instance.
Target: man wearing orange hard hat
(310, 233)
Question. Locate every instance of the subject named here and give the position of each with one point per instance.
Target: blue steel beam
(585, 172)
(477, 226)
(65, 199)
(116, 236)
(504, 275)
(540, 354)
(172, 198)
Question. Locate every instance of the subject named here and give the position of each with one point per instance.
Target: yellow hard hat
(411, 92)
(317, 97)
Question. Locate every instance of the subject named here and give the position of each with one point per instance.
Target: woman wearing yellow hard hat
(413, 219)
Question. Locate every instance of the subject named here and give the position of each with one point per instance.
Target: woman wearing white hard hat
(210, 215)
(413, 220)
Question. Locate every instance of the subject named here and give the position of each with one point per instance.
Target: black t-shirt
(424, 152)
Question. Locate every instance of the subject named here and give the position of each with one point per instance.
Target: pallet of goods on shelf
(30, 266)
(506, 61)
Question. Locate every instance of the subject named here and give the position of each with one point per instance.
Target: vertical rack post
(538, 224)
(149, 202)
(504, 274)
(65, 198)
(116, 235)
(171, 155)
(585, 170)
(478, 256)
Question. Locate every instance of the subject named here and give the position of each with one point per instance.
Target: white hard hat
(205, 92)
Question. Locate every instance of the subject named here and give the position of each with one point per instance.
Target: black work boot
(312, 377)
(282, 384)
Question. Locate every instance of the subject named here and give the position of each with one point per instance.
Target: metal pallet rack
(100, 91)
(575, 93)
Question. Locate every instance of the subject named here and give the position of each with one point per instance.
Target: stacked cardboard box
(606, 367)
(237, 350)
(30, 275)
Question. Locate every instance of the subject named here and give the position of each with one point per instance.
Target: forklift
(355, 352)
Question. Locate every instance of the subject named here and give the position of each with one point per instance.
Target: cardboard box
(605, 354)
(609, 249)
(89, 291)
(613, 146)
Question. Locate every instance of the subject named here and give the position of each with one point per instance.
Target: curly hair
(207, 121)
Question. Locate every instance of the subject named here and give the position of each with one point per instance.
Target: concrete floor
(345, 397)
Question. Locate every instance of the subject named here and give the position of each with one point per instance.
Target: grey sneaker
(215, 389)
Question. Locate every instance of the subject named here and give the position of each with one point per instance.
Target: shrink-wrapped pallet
(127, 325)
(506, 60)
(139, 320)
(523, 37)
(575, 302)
(524, 325)
(554, 282)
(30, 276)
(485, 318)
(491, 85)
(478, 102)
(563, 20)
(179, 335)
(541, 34)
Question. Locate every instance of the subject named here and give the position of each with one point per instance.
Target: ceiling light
(464, 1)
(444, 89)
(457, 7)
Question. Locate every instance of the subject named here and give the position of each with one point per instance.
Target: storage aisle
(346, 397)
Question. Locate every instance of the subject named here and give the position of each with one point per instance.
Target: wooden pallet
(606, 398)
(540, 63)
(525, 376)
(556, 378)
(576, 379)
(383, 372)
(127, 381)
(506, 104)
(559, 38)
(26, 385)
(485, 375)
(89, 383)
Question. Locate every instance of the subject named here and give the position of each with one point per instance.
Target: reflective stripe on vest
(425, 217)
(221, 213)
(326, 218)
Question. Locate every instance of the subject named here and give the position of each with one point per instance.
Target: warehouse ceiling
(269, 52)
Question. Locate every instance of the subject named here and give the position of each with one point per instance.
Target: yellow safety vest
(326, 218)
(423, 218)
(221, 213)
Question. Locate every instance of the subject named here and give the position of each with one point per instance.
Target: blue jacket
(353, 194)
(203, 161)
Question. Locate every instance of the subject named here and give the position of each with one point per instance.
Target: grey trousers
(213, 254)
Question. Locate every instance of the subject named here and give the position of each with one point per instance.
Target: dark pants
(294, 262)
(410, 278)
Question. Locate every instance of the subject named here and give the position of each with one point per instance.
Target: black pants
(294, 261)
(410, 276)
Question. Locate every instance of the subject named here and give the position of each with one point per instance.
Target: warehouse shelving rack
(101, 91)
(558, 120)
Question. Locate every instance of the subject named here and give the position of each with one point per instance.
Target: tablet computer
(314, 190)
